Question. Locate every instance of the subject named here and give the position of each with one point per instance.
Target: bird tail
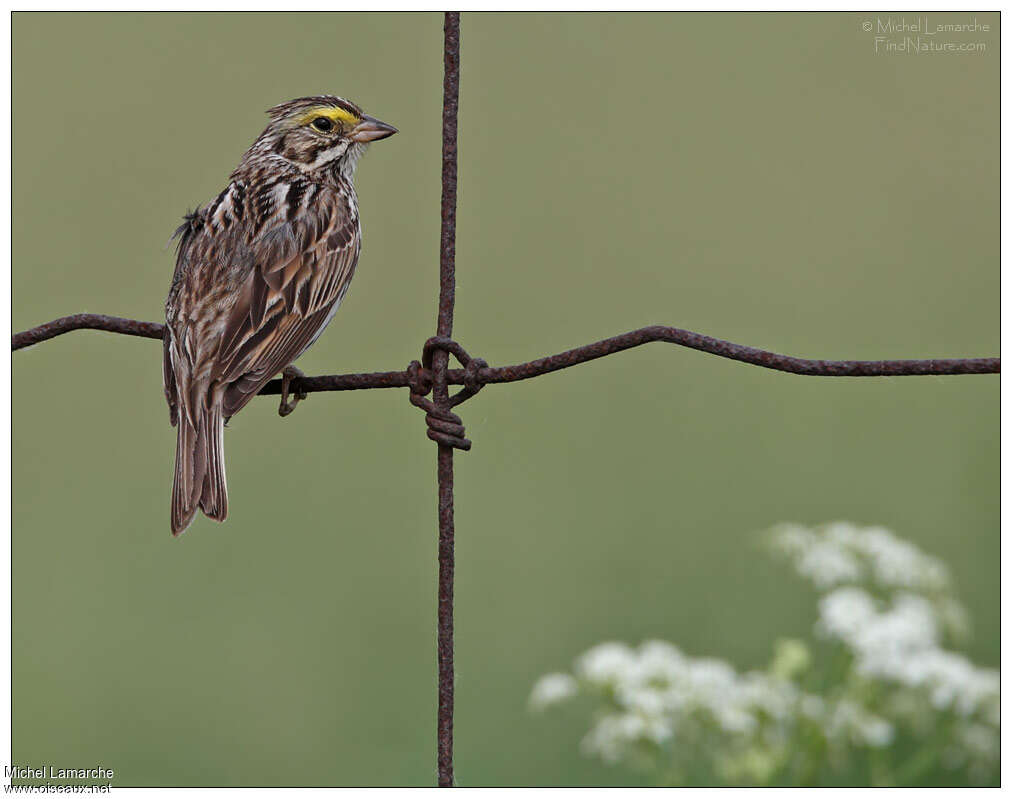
(200, 469)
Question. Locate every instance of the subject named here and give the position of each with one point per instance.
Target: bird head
(320, 133)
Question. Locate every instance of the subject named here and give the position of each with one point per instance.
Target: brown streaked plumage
(260, 271)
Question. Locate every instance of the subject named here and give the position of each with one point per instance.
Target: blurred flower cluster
(873, 693)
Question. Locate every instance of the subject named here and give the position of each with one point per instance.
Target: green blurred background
(768, 179)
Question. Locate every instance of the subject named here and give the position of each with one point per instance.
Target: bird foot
(287, 376)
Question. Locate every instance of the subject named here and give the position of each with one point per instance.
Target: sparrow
(260, 271)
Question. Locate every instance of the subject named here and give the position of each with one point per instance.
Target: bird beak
(371, 129)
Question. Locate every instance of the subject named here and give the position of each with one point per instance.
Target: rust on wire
(432, 374)
(486, 375)
(85, 321)
(446, 439)
(445, 426)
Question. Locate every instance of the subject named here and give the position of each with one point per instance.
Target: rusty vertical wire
(440, 397)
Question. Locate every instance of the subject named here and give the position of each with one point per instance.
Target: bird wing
(302, 269)
(240, 310)
(177, 360)
(169, 381)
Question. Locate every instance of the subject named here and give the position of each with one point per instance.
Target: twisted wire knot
(444, 426)
(419, 381)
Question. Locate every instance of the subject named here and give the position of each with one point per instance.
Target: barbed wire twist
(433, 375)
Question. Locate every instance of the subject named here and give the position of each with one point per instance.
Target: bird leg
(289, 374)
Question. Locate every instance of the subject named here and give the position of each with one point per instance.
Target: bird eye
(323, 124)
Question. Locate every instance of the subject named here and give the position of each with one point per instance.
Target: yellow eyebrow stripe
(337, 115)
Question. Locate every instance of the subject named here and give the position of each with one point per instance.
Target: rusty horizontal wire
(86, 321)
(553, 363)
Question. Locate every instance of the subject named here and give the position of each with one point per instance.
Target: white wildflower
(551, 690)
(659, 663)
(710, 676)
(883, 599)
(851, 721)
(899, 564)
(606, 665)
(842, 553)
(890, 636)
(793, 539)
(826, 564)
(608, 738)
(953, 682)
(877, 732)
(658, 730)
(773, 696)
(613, 735)
(734, 718)
(901, 644)
(645, 701)
(845, 612)
(714, 687)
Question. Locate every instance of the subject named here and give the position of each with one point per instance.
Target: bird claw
(287, 376)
